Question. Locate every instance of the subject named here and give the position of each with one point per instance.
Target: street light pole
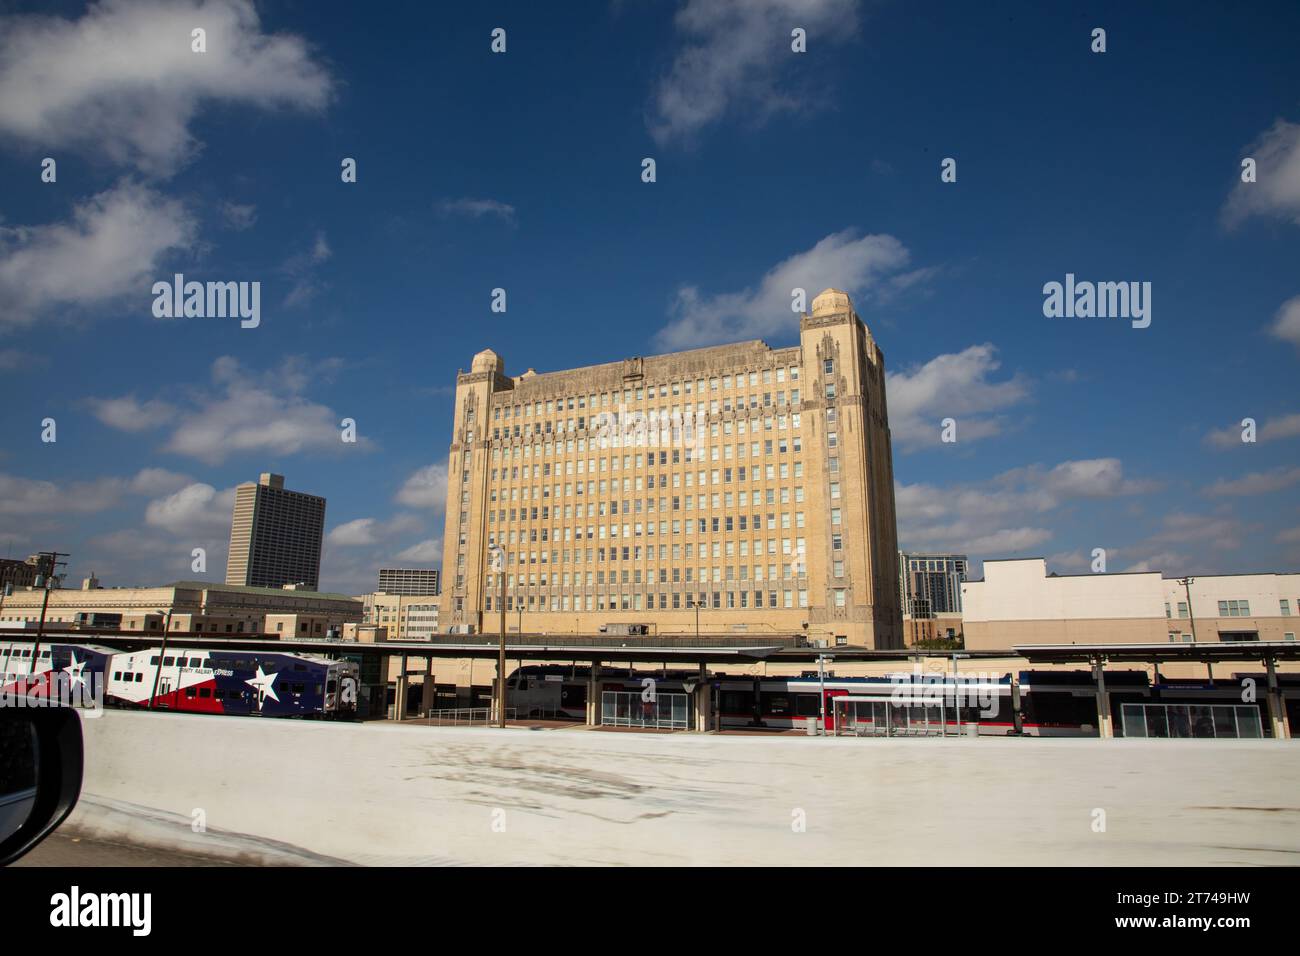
(821, 693)
(498, 558)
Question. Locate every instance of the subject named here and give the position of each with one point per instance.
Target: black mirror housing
(40, 772)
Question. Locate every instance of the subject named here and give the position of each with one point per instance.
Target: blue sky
(521, 170)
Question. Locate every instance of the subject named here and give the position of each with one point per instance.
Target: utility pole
(162, 654)
(1187, 583)
(49, 563)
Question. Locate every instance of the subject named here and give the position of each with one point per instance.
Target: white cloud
(1274, 429)
(29, 496)
(1169, 563)
(253, 416)
(129, 415)
(426, 488)
(1219, 532)
(1090, 478)
(246, 412)
(1286, 324)
(196, 509)
(158, 481)
(428, 550)
(122, 81)
(956, 385)
(478, 209)
(1276, 191)
(732, 58)
(353, 533)
(363, 532)
(844, 260)
(1255, 483)
(110, 249)
(996, 517)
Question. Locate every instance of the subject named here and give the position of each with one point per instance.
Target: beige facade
(1018, 602)
(407, 617)
(196, 607)
(756, 483)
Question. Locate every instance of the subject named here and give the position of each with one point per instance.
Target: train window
(205, 692)
(736, 702)
(805, 705)
(189, 691)
(300, 667)
(154, 659)
(117, 675)
(195, 662)
(299, 688)
(778, 705)
(168, 661)
(330, 685)
(139, 677)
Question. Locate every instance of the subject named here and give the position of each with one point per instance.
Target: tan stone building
(749, 484)
(1018, 602)
(196, 607)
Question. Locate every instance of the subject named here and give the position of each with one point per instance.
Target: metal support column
(1105, 727)
(593, 695)
(701, 700)
(1276, 708)
(427, 693)
(399, 705)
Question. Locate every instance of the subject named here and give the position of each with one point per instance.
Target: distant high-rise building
(930, 584)
(275, 537)
(409, 581)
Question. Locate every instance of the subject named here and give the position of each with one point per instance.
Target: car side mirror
(40, 773)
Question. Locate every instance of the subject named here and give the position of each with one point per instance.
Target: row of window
(582, 466)
(629, 428)
(678, 575)
(685, 438)
(644, 392)
(1232, 608)
(729, 600)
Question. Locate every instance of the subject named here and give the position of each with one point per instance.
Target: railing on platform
(463, 716)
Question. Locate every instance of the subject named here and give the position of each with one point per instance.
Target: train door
(830, 707)
(164, 688)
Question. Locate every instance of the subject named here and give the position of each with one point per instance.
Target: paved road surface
(61, 850)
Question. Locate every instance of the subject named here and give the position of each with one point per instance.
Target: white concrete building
(1018, 602)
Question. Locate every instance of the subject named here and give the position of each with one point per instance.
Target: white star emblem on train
(264, 684)
(74, 669)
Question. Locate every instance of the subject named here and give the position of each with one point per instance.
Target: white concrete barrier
(276, 791)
